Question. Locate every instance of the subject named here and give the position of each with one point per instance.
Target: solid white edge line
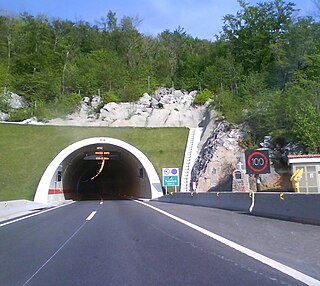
(91, 215)
(264, 259)
(37, 213)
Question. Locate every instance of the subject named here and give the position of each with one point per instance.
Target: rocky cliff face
(218, 157)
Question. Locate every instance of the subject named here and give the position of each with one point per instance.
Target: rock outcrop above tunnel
(165, 108)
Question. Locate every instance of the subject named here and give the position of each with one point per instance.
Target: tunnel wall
(55, 192)
(47, 193)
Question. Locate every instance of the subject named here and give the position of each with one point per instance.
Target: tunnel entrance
(98, 168)
(104, 182)
(102, 171)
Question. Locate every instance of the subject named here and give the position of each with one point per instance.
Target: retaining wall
(304, 208)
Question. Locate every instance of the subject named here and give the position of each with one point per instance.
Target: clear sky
(199, 18)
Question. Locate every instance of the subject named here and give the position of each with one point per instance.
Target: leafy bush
(230, 106)
(69, 103)
(4, 102)
(110, 97)
(202, 97)
(20, 114)
(49, 110)
(305, 129)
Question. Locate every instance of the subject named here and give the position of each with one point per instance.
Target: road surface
(124, 242)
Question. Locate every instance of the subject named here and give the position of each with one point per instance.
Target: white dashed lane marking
(91, 215)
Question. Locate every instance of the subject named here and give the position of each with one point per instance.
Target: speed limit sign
(257, 162)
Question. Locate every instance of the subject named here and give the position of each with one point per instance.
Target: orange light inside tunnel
(101, 168)
(102, 153)
(102, 158)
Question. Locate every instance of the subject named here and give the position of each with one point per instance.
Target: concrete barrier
(304, 208)
(15, 208)
(222, 200)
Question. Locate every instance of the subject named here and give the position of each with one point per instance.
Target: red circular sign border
(264, 166)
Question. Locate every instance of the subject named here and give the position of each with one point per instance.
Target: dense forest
(263, 69)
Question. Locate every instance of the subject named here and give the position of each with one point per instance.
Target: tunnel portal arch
(68, 174)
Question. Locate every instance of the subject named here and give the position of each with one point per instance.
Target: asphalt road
(123, 242)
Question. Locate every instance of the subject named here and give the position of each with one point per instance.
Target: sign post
(257, 162)
(170, 178)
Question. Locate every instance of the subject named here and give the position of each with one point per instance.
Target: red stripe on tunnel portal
(55, 192)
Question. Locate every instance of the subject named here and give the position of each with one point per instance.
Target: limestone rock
(95, 101)
(218, 158)
(145, 100)
(3, 116)
(165, 108)
(31, 121)
(16, 101)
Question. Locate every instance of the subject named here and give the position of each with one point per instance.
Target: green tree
(254, 31)
(6, 78)
(304, 120)
(100, 70)
(224, 74)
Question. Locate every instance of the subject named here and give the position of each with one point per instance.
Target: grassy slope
(26, 150)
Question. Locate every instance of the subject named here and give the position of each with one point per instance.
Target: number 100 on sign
(257, 162)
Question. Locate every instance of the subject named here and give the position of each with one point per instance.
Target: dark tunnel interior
(85, 176)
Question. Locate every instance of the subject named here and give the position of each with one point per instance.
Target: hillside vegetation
(27, 150)
(262, 69)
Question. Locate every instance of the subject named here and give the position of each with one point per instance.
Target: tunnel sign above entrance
(170, 177)
(103, 155)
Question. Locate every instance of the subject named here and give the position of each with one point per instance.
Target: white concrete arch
(41, 195)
